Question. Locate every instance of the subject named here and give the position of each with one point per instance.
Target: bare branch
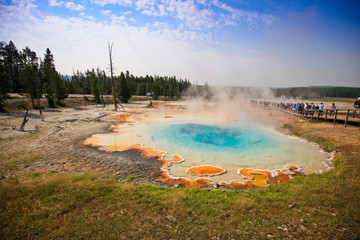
(112, 74)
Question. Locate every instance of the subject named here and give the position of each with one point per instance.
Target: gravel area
(54, 145)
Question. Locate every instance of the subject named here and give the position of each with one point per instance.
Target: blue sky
(237, 42)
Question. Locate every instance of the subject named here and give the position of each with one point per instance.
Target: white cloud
(153, 13)
(192, 17)
(106, 12)
(201, 1)
(79, 43)
(238, 16)
(202, 15)
(145, 4)
(160, 25)
(55, 3)
(73, 6)
(162, 10)
(117, 19)
(119, 2)
(84, 15)
(148, 12)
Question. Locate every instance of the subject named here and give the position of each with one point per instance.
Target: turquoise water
(216, 139)
(232, 146)
(203, 134)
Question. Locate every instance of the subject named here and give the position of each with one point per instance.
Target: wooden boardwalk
(343, 116)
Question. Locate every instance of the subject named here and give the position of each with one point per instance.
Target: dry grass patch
(9, 162)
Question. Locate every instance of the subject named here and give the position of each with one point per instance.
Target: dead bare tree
(112, 75)
(22, 127)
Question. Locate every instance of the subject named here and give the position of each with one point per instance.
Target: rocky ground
(54, 145)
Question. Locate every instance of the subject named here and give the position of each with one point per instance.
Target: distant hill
(317, 92)
(324, 86)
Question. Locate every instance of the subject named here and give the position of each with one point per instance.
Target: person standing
(312, 106)
(332, 110)
(356, 105)
(321, 108)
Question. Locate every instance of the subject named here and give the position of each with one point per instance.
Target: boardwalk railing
(348, 116)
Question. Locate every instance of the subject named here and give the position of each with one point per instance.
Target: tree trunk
(32, 102)
(24, 121)
(112, 76)
(40, 110)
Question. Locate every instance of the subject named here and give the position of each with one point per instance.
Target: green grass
(19, 104)
(11, 162)
(317, 206)
(325, 144)
(65, 206)
(334, 99)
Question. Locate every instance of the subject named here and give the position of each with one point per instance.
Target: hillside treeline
(317, 92)
(22, 71)
(169, 87)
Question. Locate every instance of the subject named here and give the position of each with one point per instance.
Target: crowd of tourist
(295, 107)
(306, 108)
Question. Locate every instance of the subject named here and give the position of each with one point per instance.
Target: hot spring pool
(229, 146)
(215, 138)
(234, 146)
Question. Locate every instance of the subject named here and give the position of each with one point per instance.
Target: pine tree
(101, 77)
(166, 91)
(48, 66)
(60, 91)
(178, 91)
(30, 74)
(49, 94)
(95, 90)
(11, 61)
(5, 79)
(48, 69)
(141, 89)
(31, 82)
(123, 89)
(156, 90)
(207, 92)
(171, 89)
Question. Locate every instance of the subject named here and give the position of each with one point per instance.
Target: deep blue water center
(215, 138)
(209, 134)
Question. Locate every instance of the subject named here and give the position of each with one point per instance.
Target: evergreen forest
(24, 72)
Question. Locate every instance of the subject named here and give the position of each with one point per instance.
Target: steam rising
(227, 104)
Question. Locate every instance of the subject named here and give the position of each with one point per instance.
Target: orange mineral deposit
(239, 185)
(166, 178)
(206, 170)
(148, 152)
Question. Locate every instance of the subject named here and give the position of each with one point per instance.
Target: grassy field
(17, 104)
(317, 206)
(21, 103)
